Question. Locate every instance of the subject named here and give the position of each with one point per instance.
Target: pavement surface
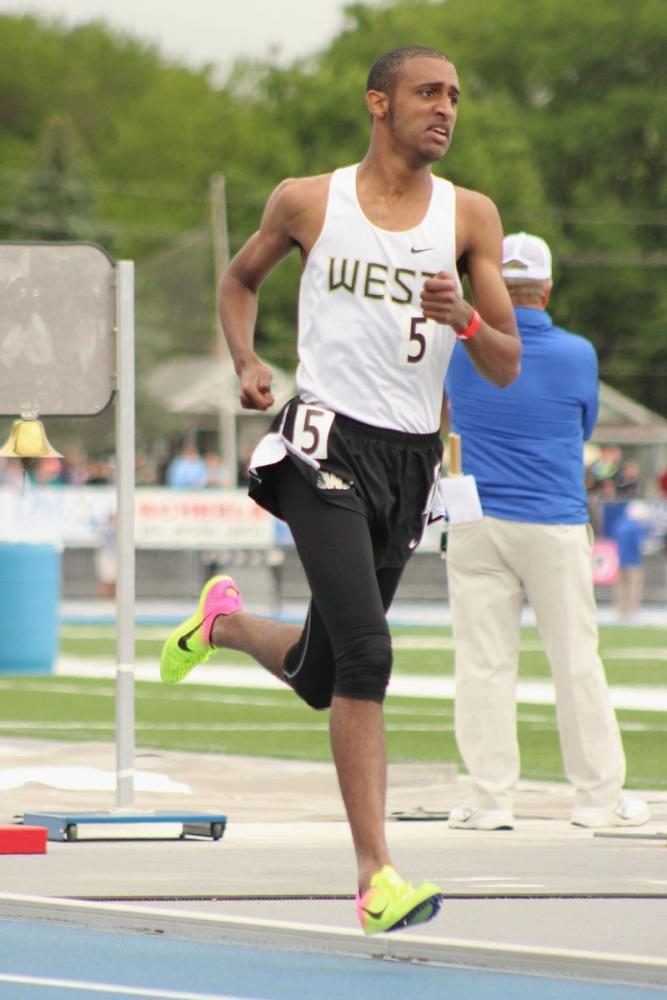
(544, 898)
(572, 901)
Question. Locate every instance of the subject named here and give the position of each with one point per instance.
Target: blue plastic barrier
(30, 579)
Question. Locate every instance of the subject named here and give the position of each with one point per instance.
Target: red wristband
(471, 328)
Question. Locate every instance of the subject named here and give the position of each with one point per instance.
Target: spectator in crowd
(534, 540)
(662, 484)
(187, 470)
(99, 472)
(608, 464)
(216, 473)
(74, 470)
(106, 566)
(628, 482)
(11, 473)
(601, 500)
(146, 470)
(630, 532)
(47, 472)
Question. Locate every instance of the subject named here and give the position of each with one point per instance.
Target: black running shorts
(356, 499)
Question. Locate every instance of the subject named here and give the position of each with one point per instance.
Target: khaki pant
(628, 597)
(490, 565)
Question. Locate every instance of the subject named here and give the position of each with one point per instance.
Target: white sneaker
(467, 818)
(626, 812)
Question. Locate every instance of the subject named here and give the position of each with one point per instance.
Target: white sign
(74, 516)
(458, 499)
(200, 519)
(80, 516)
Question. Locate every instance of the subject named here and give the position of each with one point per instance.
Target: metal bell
(28, 439)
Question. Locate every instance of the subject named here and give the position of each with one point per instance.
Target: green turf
(631, 655)
(273, 723)
(99, 641)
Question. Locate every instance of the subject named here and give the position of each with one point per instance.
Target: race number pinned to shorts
(310, 433)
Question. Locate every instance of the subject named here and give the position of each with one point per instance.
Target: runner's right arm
(239, 290)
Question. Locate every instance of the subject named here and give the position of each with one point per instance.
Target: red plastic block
(23, 839)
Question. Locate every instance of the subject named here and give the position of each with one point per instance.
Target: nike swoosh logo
(183, 639)
(375, 914)
(420, 249)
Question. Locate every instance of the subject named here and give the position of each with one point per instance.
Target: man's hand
(441, 301)
(256, 386)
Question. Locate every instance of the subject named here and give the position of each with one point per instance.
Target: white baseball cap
(638, 510)
(526, 256)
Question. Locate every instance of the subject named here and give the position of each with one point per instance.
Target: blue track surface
(59, 962)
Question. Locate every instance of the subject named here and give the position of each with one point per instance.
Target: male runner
(353, 460)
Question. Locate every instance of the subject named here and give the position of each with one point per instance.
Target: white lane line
(218, 727)
(535, 692)
(130, 991)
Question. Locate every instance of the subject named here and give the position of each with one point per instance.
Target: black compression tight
(345, 648)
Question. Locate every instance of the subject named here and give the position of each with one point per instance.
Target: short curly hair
(386, 69)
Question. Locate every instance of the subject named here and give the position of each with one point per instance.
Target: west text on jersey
(372, 280)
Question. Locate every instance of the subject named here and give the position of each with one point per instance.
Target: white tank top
(365, 350)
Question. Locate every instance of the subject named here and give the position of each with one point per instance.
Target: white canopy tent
(633, 427)
(203, 386)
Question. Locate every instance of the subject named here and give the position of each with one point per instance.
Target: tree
(562, 122)
(55, 201)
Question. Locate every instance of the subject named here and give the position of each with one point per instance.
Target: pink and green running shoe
(391, 903)
(190, 643)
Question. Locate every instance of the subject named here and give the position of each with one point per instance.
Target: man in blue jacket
(524, 446)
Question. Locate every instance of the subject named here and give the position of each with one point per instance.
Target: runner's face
(423, 107)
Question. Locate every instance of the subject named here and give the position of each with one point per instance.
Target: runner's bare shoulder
(477, 220)
(475, 205)
(301, 203)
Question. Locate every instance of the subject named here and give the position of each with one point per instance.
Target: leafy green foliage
(562, 122)
(55, 200)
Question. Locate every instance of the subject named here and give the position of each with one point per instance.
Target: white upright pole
(125, 582)
(227, 428)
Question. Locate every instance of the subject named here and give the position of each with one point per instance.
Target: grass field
(632, 655)
(273, 723)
